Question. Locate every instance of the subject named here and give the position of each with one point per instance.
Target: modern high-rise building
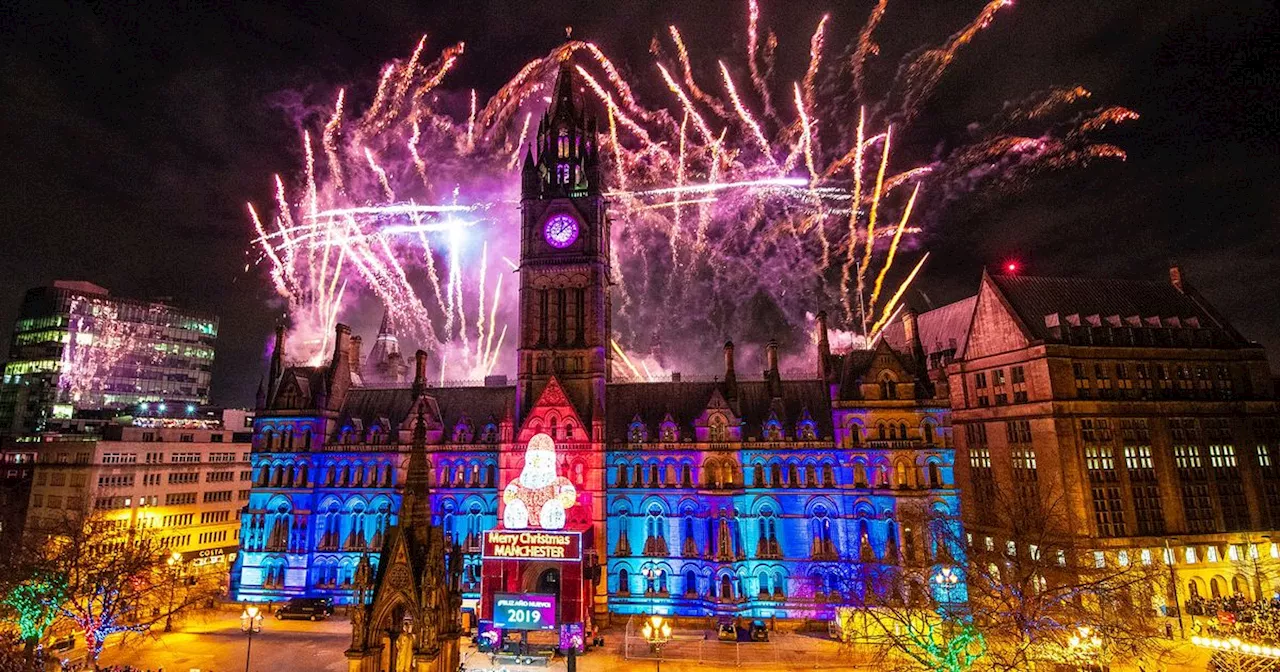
(76, 348)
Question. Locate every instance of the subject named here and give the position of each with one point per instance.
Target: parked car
(759, 633)
(727, 632)
(310, 608)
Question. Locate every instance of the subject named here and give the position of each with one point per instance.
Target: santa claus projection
(538, 497)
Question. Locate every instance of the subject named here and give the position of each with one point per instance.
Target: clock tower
(564, 261)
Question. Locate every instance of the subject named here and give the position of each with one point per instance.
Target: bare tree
(1035, 596)
(1040, 596)
(116, 577)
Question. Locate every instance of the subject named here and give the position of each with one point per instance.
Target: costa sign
(532, 545)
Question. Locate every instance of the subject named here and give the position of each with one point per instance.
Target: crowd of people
(1257, 622)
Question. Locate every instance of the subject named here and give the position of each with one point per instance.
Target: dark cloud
(131, 136)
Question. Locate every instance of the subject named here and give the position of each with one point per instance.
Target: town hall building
(568, 498)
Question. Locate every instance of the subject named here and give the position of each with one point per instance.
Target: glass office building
(76, 348)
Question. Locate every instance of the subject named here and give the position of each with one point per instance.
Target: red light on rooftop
(1011, 268)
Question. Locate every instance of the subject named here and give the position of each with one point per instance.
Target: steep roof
(1035, 298)
(943, 328)
(685, 401)
(477, 403)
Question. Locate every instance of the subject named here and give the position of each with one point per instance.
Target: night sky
(132, 134)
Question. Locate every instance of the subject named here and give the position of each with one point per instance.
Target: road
(213, 643)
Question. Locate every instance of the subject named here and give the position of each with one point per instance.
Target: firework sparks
(784, 199)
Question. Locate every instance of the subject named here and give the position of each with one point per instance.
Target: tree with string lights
(112, 577)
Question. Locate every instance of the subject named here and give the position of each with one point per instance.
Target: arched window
(808, 431)
(624, 582)
(855, 435)
(828, 476)
(655, 476)
(690, 583)
(820, 526)
(902, 431)
(926, 430)
(859, 475)
(669, 433)
(757, 476)
(686, 475)
(568, 430)
(718, 429)
(881, 433)
(562, 144)
(637, 433)
(688, 543)
(775, 475)
(888, 386)
(551, 427)
(767, 542)
(773, 430)
(639, 473)
(622, 476)
(792, 480)
(490, 434)
(810, 476)
(655, 543)
(935, 477)
(268, 440)
(726, 587)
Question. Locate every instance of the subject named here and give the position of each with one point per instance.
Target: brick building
(1133, 408)
(186, 479)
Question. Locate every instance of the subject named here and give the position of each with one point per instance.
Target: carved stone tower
(564, 260)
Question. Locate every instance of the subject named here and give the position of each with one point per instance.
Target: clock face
(561, 231)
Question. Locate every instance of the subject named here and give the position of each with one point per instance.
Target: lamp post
(946, 580)
(656, 631)
(250, 622)
(173, 560)
(1085, 646)
(1173, 583)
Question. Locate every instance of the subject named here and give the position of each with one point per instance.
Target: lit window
(1123, 558)
(1010, 548)
(1099, 559)
(1190, 554)
(1146, 556)
(990, 543)
(1211, 554)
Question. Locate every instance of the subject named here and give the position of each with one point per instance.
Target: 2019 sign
(529, 611)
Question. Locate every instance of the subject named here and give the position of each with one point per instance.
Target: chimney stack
(356, 347)
(419, 372)
(771, 356)
(1175, 276)
(341, 342)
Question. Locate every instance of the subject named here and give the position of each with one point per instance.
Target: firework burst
(746, 190)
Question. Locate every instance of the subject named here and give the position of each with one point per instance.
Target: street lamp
(250, 622)
(656, 631)
(1084, 646)
(173, 560)
(946, 579)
